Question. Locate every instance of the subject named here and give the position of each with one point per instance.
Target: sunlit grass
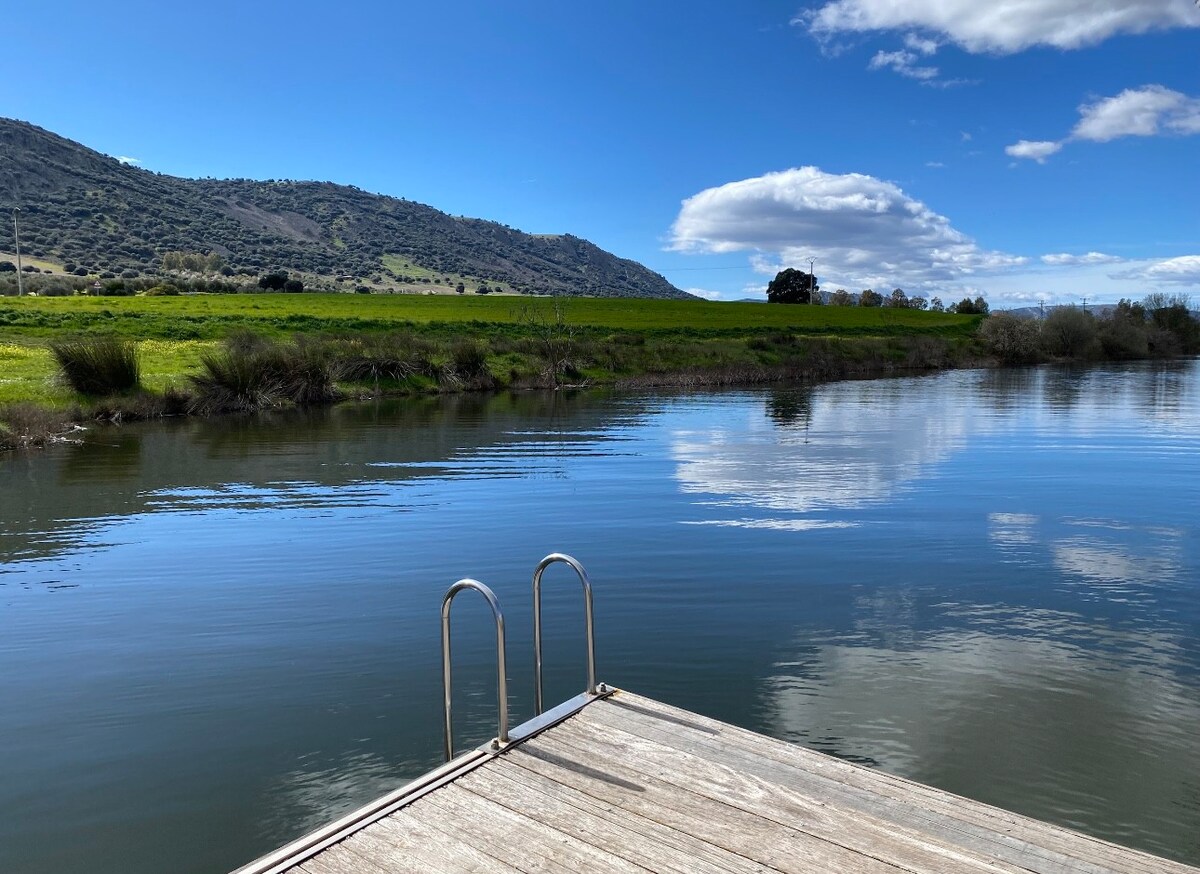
(214, 316)
(28, 371)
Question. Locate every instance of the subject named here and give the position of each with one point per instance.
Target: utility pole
(1085, 304)
(811, 280)
(17, 237)
(1042, 309)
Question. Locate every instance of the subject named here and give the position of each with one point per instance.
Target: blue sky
(1023, 149)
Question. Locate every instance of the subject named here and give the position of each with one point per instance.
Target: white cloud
(1138, 112)
(904, 63)
(1037, 150)
(1001, 26)
(920, 44)
(1065, 259)
(704, 293)
(864, 232)
(125, 159)
(935, 164)
(1135, 112)
(1184, 270)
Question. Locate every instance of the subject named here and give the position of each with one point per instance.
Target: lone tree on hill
(792, 286)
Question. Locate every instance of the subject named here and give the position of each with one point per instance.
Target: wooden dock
(627, 784)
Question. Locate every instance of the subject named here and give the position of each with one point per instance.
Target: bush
(26, 424)
(272, 281)
(1012, 339)
(1123, 333)
(1069, 332)
(98, 366)
(293, 286)
(469, 358)
(163, 290)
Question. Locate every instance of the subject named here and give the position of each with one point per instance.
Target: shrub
(1012, 339)
(98, 365)
(1123, 333)
(272, 281)
(1069, 332)
(26, 424)
(165, 289)
(469, 357)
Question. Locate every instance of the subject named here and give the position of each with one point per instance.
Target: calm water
(217, 635)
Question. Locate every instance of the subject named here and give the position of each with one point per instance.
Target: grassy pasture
(214, 316)
(520, 341)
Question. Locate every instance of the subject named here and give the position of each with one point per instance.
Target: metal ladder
(593, 690)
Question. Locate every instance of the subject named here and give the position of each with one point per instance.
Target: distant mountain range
(86, 210)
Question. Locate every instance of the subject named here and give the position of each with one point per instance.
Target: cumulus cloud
(1184, 270)
(1135, 112)
(704, 293)
(1138, 112)
(1000, 26)
(1064, 259)
(863, 231)
(1037, 150)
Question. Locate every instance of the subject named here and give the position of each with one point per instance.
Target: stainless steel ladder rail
(501, 669)
(560, 558)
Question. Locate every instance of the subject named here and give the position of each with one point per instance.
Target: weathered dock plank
(997, 833)
(630, 785)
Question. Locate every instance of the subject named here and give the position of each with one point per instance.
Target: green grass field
(612, 338)
(215, 316)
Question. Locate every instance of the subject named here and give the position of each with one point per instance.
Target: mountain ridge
(90, 210)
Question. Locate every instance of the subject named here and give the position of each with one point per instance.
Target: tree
(918, 303)
(792, 286)
(869, 298)
(293, 286)
(460, 288)
(898, 299)
(7, 267)
(1012, 339)
(968, 307)
(840, 298)
(1069, 332)
(936, 305)
(272, 281)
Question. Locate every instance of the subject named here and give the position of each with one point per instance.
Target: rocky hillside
(87, 210)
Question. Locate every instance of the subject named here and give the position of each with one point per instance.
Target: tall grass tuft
(253, 374)
(98, 365)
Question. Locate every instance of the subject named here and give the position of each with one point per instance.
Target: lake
(216, 635)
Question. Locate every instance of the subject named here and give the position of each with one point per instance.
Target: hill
(87, 210)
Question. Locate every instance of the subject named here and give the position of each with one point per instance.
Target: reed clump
(252, 373)
(98, 366)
